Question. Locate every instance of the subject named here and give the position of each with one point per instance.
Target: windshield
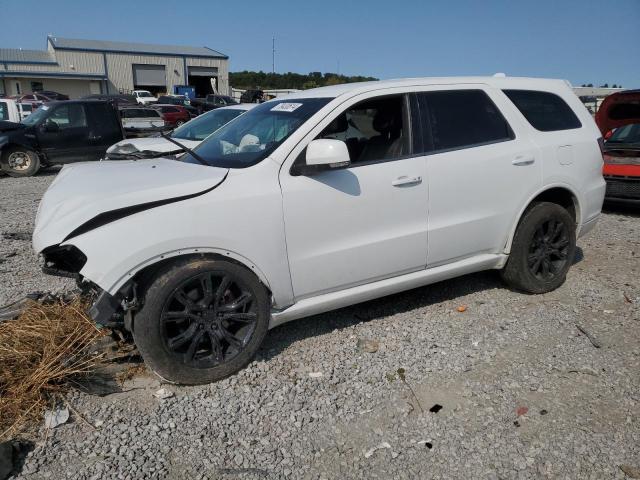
(144, 94)
(201, 127)
(36, 117)
(627, 134)
(253, 136)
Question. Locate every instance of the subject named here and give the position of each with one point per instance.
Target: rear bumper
(622, 188)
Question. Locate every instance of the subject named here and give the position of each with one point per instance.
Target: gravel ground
(523, 393)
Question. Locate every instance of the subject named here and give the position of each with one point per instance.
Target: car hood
(152, 145)
(83, 191)
(617, 110)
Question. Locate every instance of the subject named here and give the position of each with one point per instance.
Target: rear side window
(545, 111)
(102, 119)
(461, 119)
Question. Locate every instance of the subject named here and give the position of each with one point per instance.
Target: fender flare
(247, 263)
(541, 190)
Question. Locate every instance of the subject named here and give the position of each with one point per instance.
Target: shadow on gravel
(281, 337)
(44, 172)
(621, 209)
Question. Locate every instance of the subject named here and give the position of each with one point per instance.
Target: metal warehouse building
(81, 67)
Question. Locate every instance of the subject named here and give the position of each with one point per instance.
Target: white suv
(144, 97)
(327, 198)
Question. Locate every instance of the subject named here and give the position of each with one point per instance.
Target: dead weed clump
(39, 353)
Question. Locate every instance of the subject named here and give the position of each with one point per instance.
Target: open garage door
(200, 78)
(150, 77)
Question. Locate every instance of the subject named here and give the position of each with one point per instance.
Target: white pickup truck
(12, 111)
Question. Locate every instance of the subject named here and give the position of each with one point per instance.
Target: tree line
(268, 81)
(606, 85)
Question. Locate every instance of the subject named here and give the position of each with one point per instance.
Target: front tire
(542, 250)
(20, 162)
(202, 320)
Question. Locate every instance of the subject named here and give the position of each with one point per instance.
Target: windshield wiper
(185, 149)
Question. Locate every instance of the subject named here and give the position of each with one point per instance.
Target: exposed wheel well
(560, 196)
(145, 276)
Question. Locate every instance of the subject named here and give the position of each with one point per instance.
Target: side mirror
(325, 154)
(51, 127)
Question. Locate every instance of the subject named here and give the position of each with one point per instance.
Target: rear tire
(20, 162)
(542, 250)
(202, 320)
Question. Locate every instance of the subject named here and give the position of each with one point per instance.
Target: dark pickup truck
(59, 132)
(211, 102)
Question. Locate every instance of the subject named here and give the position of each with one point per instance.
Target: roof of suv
(361, 87)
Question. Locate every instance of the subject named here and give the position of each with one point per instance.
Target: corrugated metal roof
(17, 55)
(129, 47)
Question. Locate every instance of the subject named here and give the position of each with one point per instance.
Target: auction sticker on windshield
(286, 107)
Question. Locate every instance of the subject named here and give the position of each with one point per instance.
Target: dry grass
(39, 353)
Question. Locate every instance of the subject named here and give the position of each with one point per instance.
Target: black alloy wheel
(542, 250)
(548, 250)
(202, 320)
(208, 319)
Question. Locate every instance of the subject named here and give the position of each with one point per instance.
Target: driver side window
(69, 116)
(373, 129)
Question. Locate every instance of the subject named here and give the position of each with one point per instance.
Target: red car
(173, 115)
(619, 121)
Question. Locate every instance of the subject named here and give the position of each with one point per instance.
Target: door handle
(405, 181)
(522, 160)
(95, 138)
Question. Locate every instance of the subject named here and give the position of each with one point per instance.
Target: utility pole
(273, 54)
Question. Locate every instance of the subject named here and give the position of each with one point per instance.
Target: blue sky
(584, 41)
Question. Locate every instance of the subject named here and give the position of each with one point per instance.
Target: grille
(623, 188)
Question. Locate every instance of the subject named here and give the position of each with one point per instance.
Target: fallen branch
(591, 338)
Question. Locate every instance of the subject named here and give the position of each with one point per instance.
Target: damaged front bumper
(67, 261)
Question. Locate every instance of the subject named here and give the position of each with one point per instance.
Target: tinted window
(102, 119)
(139, 113)
(545, 111)
(627, 134)
(462, 118)
(71, 115)
(4, 111)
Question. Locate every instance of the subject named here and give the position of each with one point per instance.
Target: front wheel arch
(145, 275)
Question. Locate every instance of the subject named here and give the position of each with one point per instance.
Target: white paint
(343, 236)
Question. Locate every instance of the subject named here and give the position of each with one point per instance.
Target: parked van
(58, 132)
(323, 199)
